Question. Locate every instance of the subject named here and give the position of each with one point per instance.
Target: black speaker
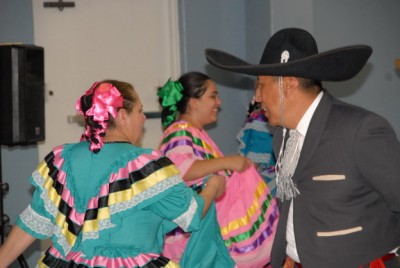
(21, 94)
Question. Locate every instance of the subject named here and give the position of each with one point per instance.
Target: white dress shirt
(302, 127)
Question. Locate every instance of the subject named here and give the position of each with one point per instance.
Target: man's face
(267, 92)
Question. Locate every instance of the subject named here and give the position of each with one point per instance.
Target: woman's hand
(237, 163)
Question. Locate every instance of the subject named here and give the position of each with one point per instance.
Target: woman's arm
(202, 168)
(15, 244)
(215, 187)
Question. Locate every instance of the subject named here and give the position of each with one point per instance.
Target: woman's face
(135, 122)
(206, 108)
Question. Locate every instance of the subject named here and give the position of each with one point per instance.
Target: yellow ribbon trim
(185, 125)
(128, 194)
(236, 224)
(60, 218)
(91, 225)
(140, 186)
(114, 198)
(172, 264)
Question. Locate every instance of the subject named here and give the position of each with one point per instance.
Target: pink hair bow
(106, 99)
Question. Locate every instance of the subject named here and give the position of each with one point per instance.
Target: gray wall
(343, 22)
(237, 26)
(16, 25)
(376, 23)
(333, 24)
(16, 21)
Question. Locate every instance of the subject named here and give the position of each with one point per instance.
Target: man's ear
(290, 85)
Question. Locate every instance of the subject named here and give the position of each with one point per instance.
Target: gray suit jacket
(348, 174)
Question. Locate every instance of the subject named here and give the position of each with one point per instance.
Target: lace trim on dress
(53, 210)
(147, 194)
(65, 242)
(49, 206)
(185, 219)
(44, 226)
(36, 222)
(122, 206)
(103, 224)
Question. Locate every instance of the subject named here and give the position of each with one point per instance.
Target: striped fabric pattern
(247, 213)
(137, 182)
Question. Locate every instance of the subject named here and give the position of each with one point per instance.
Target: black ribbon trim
(52, 261)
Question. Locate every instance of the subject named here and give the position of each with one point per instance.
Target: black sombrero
(294, 52)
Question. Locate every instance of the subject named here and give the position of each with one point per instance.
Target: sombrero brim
(334, 65)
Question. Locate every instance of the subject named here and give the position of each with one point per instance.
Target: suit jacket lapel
(314, 132)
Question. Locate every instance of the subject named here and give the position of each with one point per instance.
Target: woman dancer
(247, 213)
(105, 202)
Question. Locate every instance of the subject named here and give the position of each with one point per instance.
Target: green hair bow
(170, 94)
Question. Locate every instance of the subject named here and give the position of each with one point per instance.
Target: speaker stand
(4, 219)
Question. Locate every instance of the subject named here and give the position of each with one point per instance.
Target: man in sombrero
(338, 165)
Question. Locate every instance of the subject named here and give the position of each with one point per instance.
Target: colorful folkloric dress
(110, 209)
(255, 142)
(247, 213)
